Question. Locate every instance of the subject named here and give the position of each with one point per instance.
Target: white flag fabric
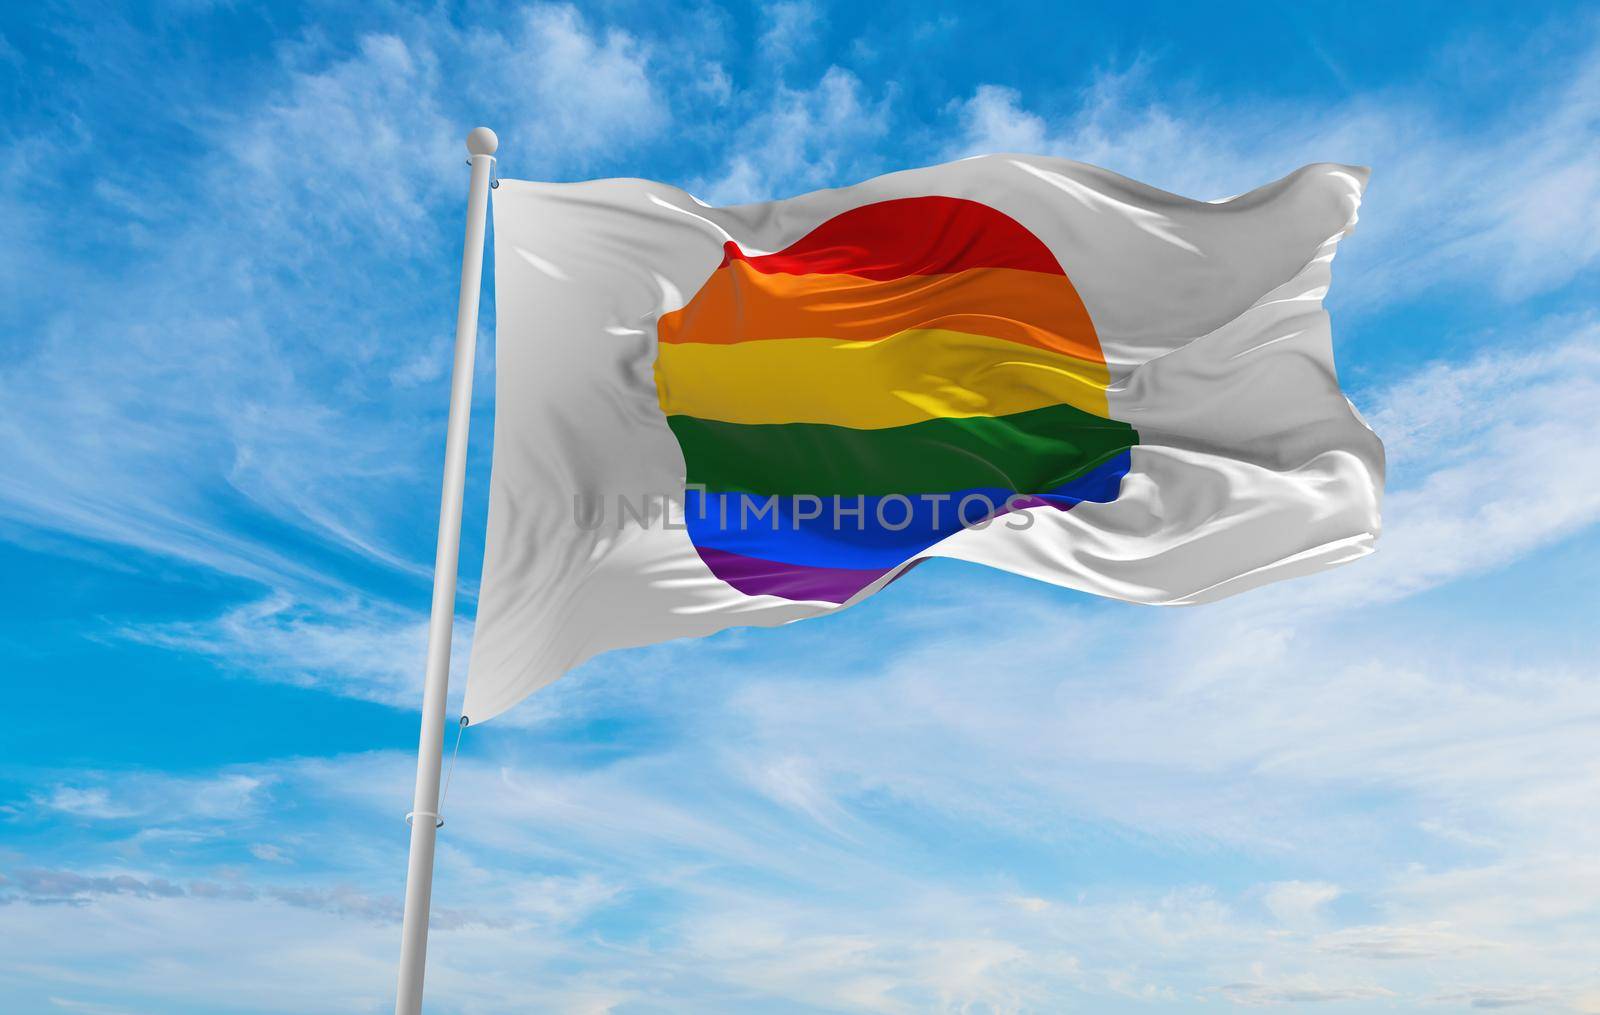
(710, 417)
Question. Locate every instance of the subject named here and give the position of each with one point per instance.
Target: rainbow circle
(839, 401)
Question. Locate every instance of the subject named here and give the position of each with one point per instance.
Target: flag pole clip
(494, 172)
(438, 822)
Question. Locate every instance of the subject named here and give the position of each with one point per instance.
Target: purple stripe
(756, 577)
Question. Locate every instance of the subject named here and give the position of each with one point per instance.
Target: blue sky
(230, 244)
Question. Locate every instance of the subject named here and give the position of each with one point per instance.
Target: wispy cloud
(801, 139)
(355, 648)
(225, 384)
(579, 91)
(1299, 903)
(790, 26)
(154, 797)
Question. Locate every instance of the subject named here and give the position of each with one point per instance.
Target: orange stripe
(740, 304)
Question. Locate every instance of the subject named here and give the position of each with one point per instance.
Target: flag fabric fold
(710, 417)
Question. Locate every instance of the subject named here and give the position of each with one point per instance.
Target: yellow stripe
(908, 377)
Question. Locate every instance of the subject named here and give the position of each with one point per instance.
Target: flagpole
(424, 816)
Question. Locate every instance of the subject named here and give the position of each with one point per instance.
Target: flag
(710, 417)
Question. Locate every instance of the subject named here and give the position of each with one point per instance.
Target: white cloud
(785, 842)
(1496, 998)
(88, 1007)
(268, 852)
(156, 798)
(1431, 941)
(566, 92)
(790, 26)
(225, 383)
(173, 400)
(1298, 903)
(355, 648)
(1300, 991)
(800, 139)
(92, 802)
(223, 401)
(993, 121)
(358, 144)
(60, 886)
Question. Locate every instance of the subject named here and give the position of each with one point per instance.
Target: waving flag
(712, 417)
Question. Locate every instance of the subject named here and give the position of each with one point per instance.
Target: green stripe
(1028, 452)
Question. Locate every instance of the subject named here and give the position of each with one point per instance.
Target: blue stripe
(827, 531)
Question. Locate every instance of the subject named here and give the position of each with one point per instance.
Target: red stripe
(909, 236)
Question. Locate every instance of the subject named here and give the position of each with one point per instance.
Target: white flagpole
(481, 144)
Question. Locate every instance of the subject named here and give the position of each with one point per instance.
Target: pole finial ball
(482, 141)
